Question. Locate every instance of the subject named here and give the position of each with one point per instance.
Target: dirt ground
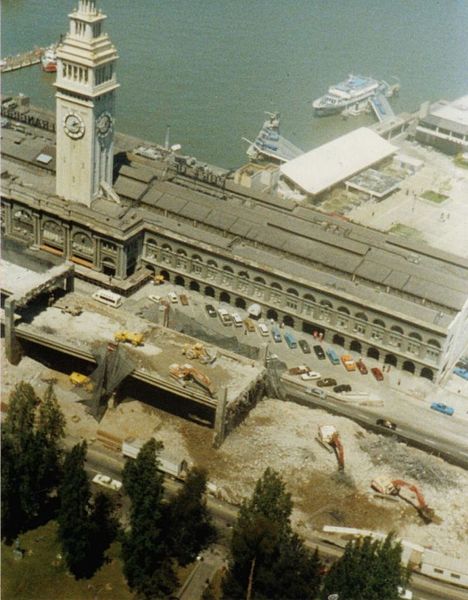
(282, 435)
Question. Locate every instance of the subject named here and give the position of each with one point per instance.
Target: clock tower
(85, 96)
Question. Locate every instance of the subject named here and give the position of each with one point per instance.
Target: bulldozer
(329, 438)
(136, 339)
(81, 380)
(198, 351)
(184, 373)
(393, 487)
(158, 279)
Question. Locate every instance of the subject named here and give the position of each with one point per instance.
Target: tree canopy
(268, 560)
(148, 565)
(31, 456)
(368, 570)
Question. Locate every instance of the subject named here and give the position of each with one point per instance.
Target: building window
(342, 322)
(376, 335)
(359, 328)
(395, 340)
(290, 303)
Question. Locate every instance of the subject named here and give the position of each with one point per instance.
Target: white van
(173, 297)
(107, 297)
(263, 328)
(225, 317)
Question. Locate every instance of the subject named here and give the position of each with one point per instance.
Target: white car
(263, 328)
(107, 482)
(156, 299)
(237, 320)
(173, 297)
(310, 375)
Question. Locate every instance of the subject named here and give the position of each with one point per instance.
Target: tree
(268, 560)
(368, 569)
(76, 529)
(190, 525)
(32, 457)
(148, 566)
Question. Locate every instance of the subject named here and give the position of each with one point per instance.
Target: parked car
(304, 346)
(326, 382)
(300, 370)
(317, 392)
(343, 387)
(173, 297)
(276, 334)
(236, 319)
(443, 408)
(225, 317)
(249, 325)
(263, 329)
(319, 352)
(377, 373)
(333, 356)
(183, 300)
(348, 362)
(362, 367)
(210, 309)
(107, 482)
(386, 423)
(310, 375)
(155, 299)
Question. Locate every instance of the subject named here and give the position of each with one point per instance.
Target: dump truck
(387, 486)
(199, 352)
(329, 438)
(186, 372)
(80, 380)
(136, 339)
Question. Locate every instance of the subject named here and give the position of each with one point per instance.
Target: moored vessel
(49, 60)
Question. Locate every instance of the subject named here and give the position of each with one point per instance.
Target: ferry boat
(353, 95)
(49, 60)
(269, 145)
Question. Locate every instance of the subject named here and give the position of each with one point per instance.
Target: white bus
(107, 297)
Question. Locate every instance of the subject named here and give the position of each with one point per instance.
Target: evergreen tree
(189, 523)
(148, 566)
(368, 570)
(76, 528)
(31, 435)
(268, 560)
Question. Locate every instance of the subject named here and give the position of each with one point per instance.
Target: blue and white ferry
(352, 95)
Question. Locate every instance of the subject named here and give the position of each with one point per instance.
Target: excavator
(384, 485)
(199, 351)
(328, 436)
(184, 373)
(158, 279)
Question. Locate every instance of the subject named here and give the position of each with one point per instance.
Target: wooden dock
(20, 61)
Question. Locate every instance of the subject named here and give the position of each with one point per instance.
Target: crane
(327, 434)
(384, 485)
(186, 372)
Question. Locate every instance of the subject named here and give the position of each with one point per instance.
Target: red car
(362, 367)
(377, 373)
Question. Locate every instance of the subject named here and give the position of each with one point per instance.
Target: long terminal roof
(363, 265)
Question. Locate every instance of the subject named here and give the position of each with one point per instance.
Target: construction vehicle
(393, 487)
(158, 279)
(136, 339)
(80, 380)
(198, 351)
(329, 438)
(184, 373)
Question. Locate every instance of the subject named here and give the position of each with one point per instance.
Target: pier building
(379, 295)
(445, 126)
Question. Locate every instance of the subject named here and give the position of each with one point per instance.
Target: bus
(107, 297)
(290, 339)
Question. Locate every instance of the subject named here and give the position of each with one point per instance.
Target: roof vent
(413, 258)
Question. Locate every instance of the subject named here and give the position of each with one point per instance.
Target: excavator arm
(339, 450)
(426, 513)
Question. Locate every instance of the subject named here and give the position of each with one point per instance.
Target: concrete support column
(37, 228)
(70, 280)
(66, 241)
(12, 346)
(121, 266)
(97, 253)
(220, 418)
(7, 219)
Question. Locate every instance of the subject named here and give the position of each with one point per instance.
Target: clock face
(104, 123)
(74, 126)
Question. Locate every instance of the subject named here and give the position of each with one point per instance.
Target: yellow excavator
(158, 279)
(184, 373)
(80, 380)
(198, 351)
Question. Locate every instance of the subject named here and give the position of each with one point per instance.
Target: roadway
(224, 516)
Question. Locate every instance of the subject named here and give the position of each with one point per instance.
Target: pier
(21, 61)
(382, 108)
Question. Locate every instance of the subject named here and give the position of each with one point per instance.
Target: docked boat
(269, 145)
(49, 60)
(352, 95)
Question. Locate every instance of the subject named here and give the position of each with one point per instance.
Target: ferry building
(98, 199)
